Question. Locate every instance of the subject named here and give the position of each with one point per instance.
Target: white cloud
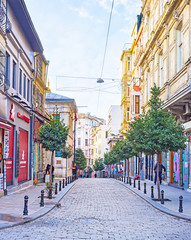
(82, 12)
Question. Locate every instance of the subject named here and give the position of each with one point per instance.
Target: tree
(98, 166)
(156, 131)
(81, 161)
(66, 153)
(90, 170)
(53, 135)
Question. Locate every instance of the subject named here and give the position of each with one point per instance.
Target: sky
(73, 34)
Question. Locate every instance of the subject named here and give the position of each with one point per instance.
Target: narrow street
(102, 209)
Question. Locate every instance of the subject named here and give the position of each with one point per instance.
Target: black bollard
(63, 183)
(56, 188)
(162, 197)
(139, 185)
(134, 185)
(181, 204)
(25, 211)
(66, 182)
(130, 180)
(145, 189)
(60, 186)
(50, 193)
(42, 199)
(152, 192)
(124, 179)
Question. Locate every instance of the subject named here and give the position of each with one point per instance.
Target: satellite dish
(100, 80)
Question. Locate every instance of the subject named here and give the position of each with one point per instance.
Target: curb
(155, 204)
(41, 212)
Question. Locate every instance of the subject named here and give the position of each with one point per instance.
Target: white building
(114, 120)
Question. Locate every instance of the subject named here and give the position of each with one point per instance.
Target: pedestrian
(95, 175)
(161, 167)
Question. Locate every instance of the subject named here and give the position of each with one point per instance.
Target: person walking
(161, 167)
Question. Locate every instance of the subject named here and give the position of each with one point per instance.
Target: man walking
(161, 167)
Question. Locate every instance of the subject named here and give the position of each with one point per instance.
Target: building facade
(85, 135)
(63, 109)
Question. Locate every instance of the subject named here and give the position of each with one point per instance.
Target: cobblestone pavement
(101, 209)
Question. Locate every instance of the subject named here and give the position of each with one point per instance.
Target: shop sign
(26, 119)
(6, 144)
(12, 112)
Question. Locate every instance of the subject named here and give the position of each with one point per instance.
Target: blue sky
(73, 34)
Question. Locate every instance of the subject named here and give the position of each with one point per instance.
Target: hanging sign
(26, 119)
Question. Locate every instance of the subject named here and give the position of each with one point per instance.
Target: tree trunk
(158, 180)
(52, 156)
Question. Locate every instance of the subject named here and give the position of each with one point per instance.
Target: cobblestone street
(102, 209)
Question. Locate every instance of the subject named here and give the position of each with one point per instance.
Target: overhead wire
(105, 50)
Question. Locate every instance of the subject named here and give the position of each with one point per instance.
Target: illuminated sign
(12, 112)
(26, 119)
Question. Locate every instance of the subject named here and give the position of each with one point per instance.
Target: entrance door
(23, 155)
(9, 162)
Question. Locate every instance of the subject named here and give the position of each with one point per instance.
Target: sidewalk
(12, 206)
(169, 207)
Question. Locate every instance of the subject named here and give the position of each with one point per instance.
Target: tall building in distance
(86, 124)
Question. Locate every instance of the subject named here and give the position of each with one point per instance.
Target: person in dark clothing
(161, 167)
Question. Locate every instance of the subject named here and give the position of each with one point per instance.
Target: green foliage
(66, 152)
(53, 135)
(156, 131)
(90, 170)
(81, 161)
(98, 166)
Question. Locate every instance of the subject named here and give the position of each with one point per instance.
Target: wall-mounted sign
(26, 119)
(12, 112)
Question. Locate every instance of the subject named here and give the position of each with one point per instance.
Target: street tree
(53, 135)
(66, 153)
(156, 131)
(81, 161)
(98, 166)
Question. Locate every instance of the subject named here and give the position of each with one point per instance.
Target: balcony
(5, 24)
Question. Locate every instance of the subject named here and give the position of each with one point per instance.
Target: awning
(5, 126)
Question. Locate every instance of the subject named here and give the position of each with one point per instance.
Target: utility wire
(103, 63)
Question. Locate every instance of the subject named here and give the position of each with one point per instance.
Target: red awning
(5, 126)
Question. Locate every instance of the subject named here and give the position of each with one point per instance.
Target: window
(128, 114)
(160, 71)
(129, 64)
(56, 116)
(86, 134)
(160, 7)
(179, 49)
(78, 122)
(41, 101)
(7, 69)
(14, 75)
(79, 142)
(28, 90)
(137, 105)
(20, 81)
(86, 122)
(34, 94)
(24, 87)
(86, 142)
(128, 91)
(148, 85)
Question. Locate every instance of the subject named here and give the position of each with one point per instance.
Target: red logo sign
(26, 119)
(12, 112)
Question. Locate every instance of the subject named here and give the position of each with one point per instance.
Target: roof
(54, 97)
(24, 19)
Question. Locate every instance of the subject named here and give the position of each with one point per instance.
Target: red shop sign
(26, 119)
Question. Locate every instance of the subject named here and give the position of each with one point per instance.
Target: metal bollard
(56, 188)
(25, 211)
(145, 189)
(63, 183)
(180, 204)
(139, 185)
(42, 199)
(162, 197)
(124, 179)
(130, 180)
(66, 182)
(50, 193)
(134, 184)
(60, 186)
(152, 192)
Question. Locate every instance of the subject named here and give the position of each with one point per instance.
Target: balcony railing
(5, 24)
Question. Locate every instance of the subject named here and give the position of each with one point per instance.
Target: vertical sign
(5, 156)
